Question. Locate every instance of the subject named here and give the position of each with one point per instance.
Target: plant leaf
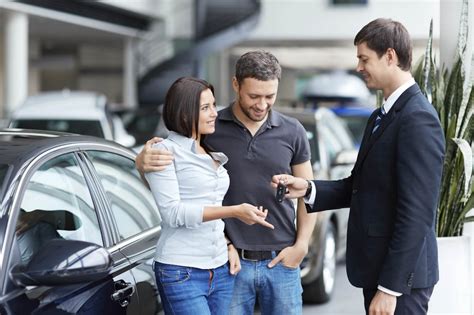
(466, 151)
(427, 60)
(452, 94)
(469, 219)
(468, 100)
(463, 29)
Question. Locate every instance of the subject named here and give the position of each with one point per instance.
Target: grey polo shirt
(280, 143)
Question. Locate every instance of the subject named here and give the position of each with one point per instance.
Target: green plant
(453, 98)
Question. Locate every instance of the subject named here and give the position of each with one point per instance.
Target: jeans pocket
(289, 268)
(170, 274)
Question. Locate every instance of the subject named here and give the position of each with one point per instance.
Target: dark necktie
(380, 115)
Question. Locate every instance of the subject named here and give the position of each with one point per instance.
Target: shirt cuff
(310, 200)
(193, 216)
(388, 291)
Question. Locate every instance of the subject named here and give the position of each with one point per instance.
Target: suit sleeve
(332, 194)
(420, 153)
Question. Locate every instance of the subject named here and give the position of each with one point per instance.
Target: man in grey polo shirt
(259, 142)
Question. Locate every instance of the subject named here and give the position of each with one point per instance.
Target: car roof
(306, 115)
(63, 105)
(336, 85)
(18, 145)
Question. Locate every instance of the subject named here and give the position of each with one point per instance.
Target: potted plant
(453, 98)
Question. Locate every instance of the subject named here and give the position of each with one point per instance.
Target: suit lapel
(365, 139)
(369, 138)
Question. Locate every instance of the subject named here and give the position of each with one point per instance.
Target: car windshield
(356, 125)
(82, 127)
(337, 130)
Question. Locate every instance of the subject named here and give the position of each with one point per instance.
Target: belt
(256, 255)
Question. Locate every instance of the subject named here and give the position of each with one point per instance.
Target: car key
(280, 192)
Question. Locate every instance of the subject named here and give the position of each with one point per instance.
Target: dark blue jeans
(187, 290)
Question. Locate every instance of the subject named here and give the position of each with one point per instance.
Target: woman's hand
(251, 215)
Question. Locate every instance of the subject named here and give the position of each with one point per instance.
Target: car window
(338, 128)
(3, 173)
(356, 125)
(56, 204)
(330, 142)
(132, 203)
(143, 122)
(313, 142)
(82, 127)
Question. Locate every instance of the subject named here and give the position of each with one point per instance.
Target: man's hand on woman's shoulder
(151, 159)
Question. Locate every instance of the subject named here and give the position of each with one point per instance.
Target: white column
(16, 59)
(224, 92)
(34, 73)
(129, 74)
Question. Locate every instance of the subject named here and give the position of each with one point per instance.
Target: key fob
(280, 192)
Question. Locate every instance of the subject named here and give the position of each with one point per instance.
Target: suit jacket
(393, 195)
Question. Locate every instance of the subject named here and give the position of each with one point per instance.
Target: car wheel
(320, 290)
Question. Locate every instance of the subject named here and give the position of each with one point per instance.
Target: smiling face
(254, 98)
(375, 69)
(207, 113)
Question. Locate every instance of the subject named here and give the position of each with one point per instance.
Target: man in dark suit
(394, 186)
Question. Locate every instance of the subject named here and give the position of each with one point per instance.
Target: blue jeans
(278, 289)
(187, 290)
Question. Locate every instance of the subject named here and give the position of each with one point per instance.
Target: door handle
(123, 292)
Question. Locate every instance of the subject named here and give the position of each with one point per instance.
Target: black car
(78, 227)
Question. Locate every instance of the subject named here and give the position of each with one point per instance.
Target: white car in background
(79, 112)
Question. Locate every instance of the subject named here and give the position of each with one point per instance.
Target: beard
(253, 114)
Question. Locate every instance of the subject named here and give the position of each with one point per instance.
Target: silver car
(332, 156)
(81, 112)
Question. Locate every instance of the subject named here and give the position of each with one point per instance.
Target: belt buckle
(242, 254)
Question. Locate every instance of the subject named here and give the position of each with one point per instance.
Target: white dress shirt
(181, 192)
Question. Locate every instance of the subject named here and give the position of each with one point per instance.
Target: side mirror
(345, 157)
(64, 262)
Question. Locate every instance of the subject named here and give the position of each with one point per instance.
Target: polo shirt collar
(273, 119)
(182, 141)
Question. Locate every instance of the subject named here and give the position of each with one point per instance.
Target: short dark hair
(181, 109)
(259, 64)
(382, 34)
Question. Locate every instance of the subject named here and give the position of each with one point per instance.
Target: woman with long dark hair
(191, 262)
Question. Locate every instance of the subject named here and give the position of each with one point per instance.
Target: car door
(136, 220)
(56, 203)
(336, 139)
